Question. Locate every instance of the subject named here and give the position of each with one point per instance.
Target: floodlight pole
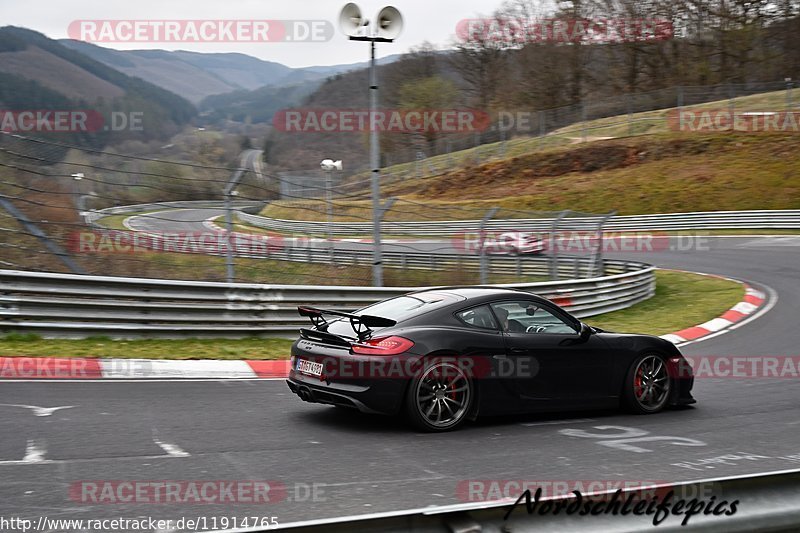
(374, 34)
(375, 163)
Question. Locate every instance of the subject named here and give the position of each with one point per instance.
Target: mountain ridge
(198, 75)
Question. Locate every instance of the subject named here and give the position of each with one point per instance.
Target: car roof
(481, 292)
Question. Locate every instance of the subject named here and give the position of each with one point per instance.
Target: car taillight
(383, 346)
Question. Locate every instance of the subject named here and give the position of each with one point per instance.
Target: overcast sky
(425, 20)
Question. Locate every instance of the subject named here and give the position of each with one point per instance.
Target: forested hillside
(40, 74)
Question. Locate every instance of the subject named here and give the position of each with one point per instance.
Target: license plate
(309, 367)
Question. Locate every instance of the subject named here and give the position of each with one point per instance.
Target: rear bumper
(378, 396)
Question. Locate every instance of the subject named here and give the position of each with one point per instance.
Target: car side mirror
(585, 332)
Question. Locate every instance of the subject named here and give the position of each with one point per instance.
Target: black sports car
(446, 355)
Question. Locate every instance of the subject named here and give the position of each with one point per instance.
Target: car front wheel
(647, 385)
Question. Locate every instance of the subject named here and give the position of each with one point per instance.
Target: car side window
(525, 316)
(479, 317)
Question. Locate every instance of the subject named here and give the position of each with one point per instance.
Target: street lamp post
(328, 166)
(388, 25)
(76, 192)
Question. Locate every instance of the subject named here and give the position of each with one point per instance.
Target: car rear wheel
(647, 385)
(439, 397)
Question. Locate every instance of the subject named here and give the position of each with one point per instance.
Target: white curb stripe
(744, 307)
(754, 292)
(674, 339)
(716, 324)
(163, 368)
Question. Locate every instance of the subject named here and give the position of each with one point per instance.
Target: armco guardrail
(785, 219)
(568, 266)
(74, 306)
(763, 502)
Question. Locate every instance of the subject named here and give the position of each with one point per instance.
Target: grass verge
(104, 347)
(682, 300)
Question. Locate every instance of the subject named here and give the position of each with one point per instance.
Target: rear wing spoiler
(361, 324)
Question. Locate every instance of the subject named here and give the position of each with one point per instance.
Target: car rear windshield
(398, 309)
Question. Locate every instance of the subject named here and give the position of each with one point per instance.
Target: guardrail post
(229, 268)
(378, 212)
(484, 274)
(596, 267)
(230, 190)
(553, 247)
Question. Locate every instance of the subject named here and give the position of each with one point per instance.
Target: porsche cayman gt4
(443, 356)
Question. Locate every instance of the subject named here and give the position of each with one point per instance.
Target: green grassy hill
(634, 165)
(654, 174)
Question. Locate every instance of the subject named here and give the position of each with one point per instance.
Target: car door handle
(518, 351)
